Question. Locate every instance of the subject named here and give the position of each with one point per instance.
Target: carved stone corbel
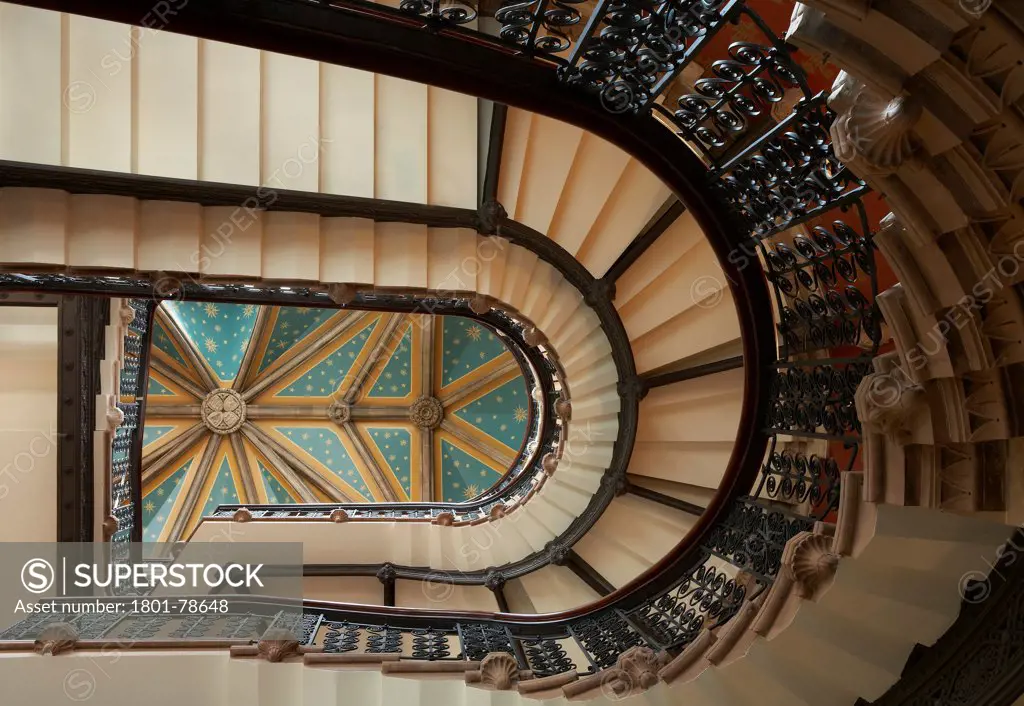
(114, 414)
(110, 527)
(809, 562)
(126, 314)
(872, 132)
(56, 639)
(890, 404)
(341, 293)
(635, 670)
(498, 671)
(277, 646)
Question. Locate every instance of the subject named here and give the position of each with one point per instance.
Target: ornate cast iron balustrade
(764, 140)
(126, 444)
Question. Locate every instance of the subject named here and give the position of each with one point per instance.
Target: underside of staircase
(763, 483)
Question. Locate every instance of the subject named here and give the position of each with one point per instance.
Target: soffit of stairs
(578, 275)
(685, 175)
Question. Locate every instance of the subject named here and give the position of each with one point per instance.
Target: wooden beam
(663, 499)
(91, 181)
(719, 366)
(495, 147)
(588, 574)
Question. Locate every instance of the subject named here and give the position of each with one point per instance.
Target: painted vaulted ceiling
(267, 404)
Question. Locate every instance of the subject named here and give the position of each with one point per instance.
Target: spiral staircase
(781, 454)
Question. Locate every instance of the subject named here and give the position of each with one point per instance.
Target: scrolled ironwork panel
(480, 639)
(633, 50)
(431, 643)
(547, 656)
(789, 174)
(706, 597)
(539, 26)
(817, 399)
(752, 537)
(341, 637)
(383, 639)
(604, 638)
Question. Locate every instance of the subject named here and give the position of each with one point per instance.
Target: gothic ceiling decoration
(271, 404)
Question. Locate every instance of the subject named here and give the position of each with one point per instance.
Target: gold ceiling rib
(362, 373)
(156, 461)
(190, 411)
(200, 475)
(244, 468)
(379, 479)
(347, 321)
(427, 375)
(170, 325)
(309, 474)
(492, 450)
(178, 379)
(509, 366)
(280, 465)
(249, 359)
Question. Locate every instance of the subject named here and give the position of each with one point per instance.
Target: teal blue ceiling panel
(155, 387)
(463, 477)
(163, 342)
(220, 332)
(151, 433)
(501, 413)
(324, 378)
(395, 445)
(326, 446)
(292, 325)
(466, 345)
(156, 506)
(395, 379)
